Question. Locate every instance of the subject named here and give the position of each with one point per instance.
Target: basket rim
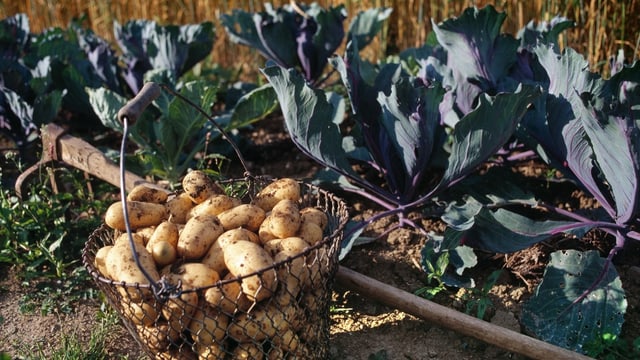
(333, 236)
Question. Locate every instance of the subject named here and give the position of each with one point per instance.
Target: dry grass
(603, 27)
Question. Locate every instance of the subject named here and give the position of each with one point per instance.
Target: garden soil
(361, 327)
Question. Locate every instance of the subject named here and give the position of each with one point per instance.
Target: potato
(264, 232)
(293, 245)
(163, 253)
(318, 267)
(314, 215)
(214, 258)
(198, 235)
(165, 231)
(245, 257)
(237, 234)
(179, 207)
(208, 326)
(228, 298)
(148, 193)
(280, 189)
(214, 205)
(141, 313)
(310, 232)
(275, 353)
(196, 275)
(284, 219)
(294, 274)
(272, 247)
(145, 233)
(288, 341)
(141, 214)
(192, 276)
(211, 352)
(244, 215)
(248, 350)
(159, 336)
(260, 323)
(100, 261)
(179, 310)
(122, 266)
(199, 186)
(153, 337)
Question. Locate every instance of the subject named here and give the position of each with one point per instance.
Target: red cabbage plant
(399, 132)
(587, 128)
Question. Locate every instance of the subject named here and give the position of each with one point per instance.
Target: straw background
(603, 27)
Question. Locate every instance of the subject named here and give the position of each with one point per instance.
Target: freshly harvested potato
(275, 353)
(141, 214)
(310, 232)
(244, 215)
(318, 267)
(196, 275)
(245, 257)
(179, 310)
(166, 231)
(122, 266)
(199, 186)
(153, 337)
(214, 258)
(292, 245)
(145, 233)
(141, 313)
(281, 189)
(314, 215)
(284, 219)
(179, 207)
(100, 261)
(148, 193)
(228, 298)
(248, 350)
(214, 205)
(260, 323)
(237, 234)
(198, 235)
(264, 232)
(163, 253)
(208, 326)
(288, 341)
(294, 274)
(211, 352)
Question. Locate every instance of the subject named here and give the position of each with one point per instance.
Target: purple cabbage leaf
(147, 45)
(303, 37)
(478, 55)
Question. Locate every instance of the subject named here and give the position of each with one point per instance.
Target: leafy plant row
(423, 121)
(472, 97)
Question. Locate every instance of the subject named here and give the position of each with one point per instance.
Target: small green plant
(477, 300)
(611, 347)
(45, 232)
(435, 272)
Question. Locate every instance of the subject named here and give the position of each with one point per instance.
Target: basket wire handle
(130, 113)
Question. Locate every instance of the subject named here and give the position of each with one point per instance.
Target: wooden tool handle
(134, 108)
(451, 319)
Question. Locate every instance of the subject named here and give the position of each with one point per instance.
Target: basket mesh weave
(292, 323)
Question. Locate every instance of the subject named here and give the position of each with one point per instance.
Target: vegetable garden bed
(495, 165)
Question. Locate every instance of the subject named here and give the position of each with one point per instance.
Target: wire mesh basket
(220, 321)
